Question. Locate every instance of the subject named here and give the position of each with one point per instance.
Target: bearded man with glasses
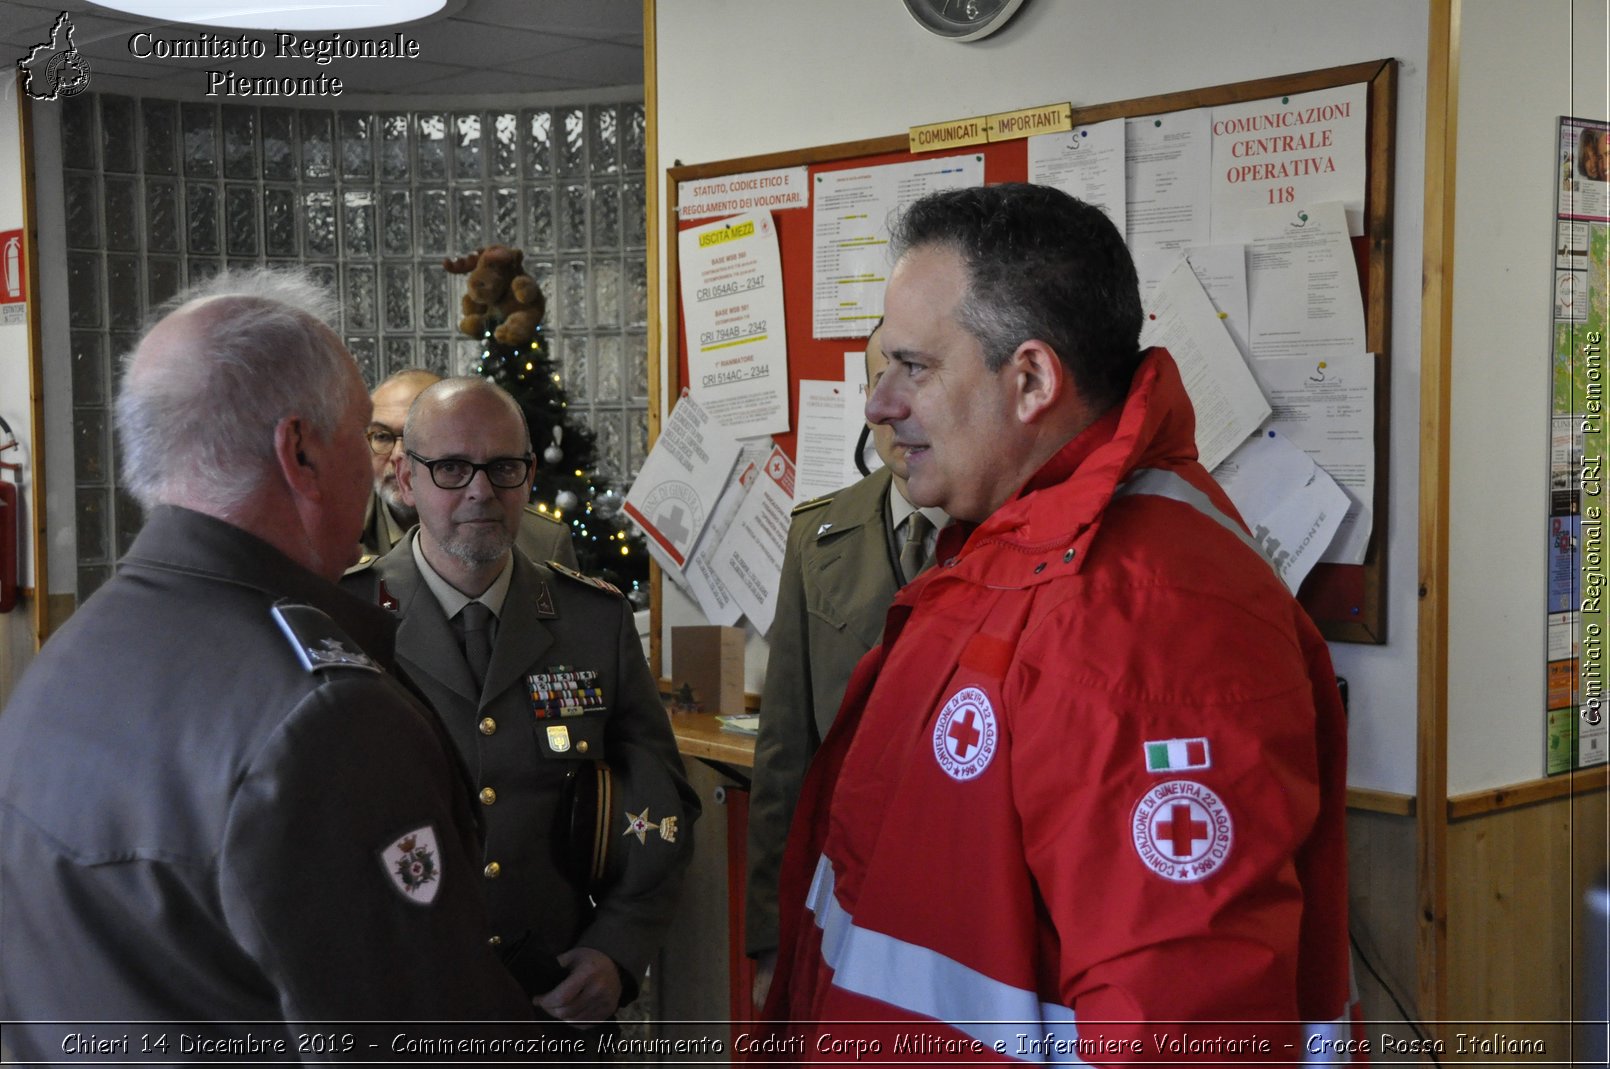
(541, 537)
(537, 673)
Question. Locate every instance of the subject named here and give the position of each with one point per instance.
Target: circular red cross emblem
(965, 735)
(1182, 831)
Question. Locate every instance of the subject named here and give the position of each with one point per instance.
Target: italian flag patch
(1177, 755)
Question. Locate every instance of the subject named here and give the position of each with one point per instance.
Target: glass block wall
(161, 193)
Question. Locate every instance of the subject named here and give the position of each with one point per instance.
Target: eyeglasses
(454, 473)
(382, 440)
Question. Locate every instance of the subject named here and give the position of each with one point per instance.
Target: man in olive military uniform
(541, 537)
(846, 557)
(215, 803)
(539, 677)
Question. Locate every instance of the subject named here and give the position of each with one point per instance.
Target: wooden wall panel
(1516, 878)
(1381, 897)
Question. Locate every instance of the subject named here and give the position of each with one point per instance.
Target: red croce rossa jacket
(1085, 802)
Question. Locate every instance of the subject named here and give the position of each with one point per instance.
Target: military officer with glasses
(539, 678)
(541, 537)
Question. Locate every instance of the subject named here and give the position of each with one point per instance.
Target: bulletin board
(1346, 601)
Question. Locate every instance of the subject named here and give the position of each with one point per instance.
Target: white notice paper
(1289, 151)
(829, 420)
(732, 300)
(749, 560)
(1302, 283)
(1222, 270)
(683, 475)
(1086, 162)
(1229, 406)
(700, 578)
(1326, 408)
(1167, 175)
(1293, 507)
(850, 218)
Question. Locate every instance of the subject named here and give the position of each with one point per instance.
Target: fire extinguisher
(10, 523)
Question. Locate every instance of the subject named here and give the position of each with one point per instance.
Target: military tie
(913, 552)
(477, 619)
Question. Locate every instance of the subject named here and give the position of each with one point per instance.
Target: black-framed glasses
(455, 473)
(382, 440)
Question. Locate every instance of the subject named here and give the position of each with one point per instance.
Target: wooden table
(700, 735)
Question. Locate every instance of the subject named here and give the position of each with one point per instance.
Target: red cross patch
(965, 735)
(1182, 831)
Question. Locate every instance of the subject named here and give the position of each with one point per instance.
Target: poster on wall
(1576, 732)
(850, 234)
(732, 298)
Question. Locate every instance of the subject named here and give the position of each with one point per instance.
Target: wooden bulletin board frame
(1347, 601)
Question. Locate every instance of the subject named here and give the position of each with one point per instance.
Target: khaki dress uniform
(840, 572)
(217, 806)
(571, 858)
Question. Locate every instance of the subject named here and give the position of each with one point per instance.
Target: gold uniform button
(488, 796)
(496, 940)
(581, 747)
(492, 869)
(488, 725)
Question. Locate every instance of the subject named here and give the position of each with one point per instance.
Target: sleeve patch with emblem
(411, 864)
(1182, 831)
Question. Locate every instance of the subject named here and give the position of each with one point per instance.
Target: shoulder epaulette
(571, 573)
(365, 562)
(319, 644)
(532, 510)
(813, 503)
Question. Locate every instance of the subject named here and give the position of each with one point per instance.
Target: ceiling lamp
(272, 15)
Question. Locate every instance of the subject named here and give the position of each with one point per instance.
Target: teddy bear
(500, 292)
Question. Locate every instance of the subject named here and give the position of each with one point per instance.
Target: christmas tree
(566, 483)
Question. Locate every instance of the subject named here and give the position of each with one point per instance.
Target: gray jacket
(204, 820)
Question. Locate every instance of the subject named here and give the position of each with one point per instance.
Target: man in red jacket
(1085, 802)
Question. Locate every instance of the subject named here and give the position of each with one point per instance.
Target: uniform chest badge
(1182, 831)
(411, 863)
(558, 738)
(640, 825)
(564, 691)
(966, 734)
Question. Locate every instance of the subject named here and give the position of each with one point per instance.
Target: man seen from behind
(216, 805)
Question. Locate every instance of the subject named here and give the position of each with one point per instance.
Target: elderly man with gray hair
(216, 804)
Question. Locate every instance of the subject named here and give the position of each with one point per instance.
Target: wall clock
(962, 20)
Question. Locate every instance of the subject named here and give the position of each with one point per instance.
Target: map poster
(1575, 703)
